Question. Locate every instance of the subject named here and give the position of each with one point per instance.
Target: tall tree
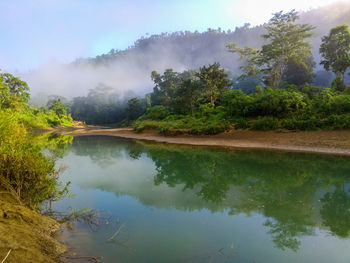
(286, 45)
(188, 92)
(12, 89)
(58, 107)
(335, 50)
(164, 88)
(135, 108)
(215, 81)
(299, 75)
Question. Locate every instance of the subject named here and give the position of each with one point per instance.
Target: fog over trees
(125, 71)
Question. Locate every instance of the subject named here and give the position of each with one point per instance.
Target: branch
(117, 232)
(8, 253)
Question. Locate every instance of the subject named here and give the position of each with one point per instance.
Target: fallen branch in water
(117, 232)
(8, 253)
(93, 259)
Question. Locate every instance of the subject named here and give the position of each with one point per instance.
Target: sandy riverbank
(330, 142)
(26, 235)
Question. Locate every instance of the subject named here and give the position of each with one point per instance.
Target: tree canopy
(335, 50)
(286, 45)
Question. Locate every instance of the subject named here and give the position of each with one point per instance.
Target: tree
(12, 89)
(164, 87)
(214, 80)
(187, 93)
(335, 50)
(286, 45)
(299, 75)
(134, 108)
(251, 58)
(58, 107)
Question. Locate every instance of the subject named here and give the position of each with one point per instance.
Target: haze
(41, 36)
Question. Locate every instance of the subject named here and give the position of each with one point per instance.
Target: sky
(35, 32)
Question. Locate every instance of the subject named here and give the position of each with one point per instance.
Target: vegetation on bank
(205, 101)
(26, 172)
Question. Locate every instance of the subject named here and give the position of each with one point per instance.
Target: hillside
(129, 70)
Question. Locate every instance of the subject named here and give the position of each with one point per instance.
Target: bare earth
(330, 142)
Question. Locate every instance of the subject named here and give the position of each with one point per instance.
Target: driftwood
(93, 259)
(8, 253)
(116, 232)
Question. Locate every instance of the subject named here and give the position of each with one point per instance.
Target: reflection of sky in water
(169, 224)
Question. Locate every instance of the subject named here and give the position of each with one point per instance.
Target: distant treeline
(206, 100)
(277, 88)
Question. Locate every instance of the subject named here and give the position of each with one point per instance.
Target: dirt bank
(25, 235)
(330, 142)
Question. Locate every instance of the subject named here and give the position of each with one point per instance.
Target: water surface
(200, 204)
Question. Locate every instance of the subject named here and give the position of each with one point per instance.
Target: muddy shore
(26, 235)
(328, 142)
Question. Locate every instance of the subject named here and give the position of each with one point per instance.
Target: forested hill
(194, 49)
(130, 69)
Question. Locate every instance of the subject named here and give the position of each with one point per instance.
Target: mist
(128, 71)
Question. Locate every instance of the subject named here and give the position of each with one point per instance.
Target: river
(153, 202)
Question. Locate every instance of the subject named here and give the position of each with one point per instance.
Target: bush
(338, 121)
(185, 125)
(156, 113)
(237, 103)
(25, 171)
(279, 103)
(265, 123)
(241, 123)
(309, 124)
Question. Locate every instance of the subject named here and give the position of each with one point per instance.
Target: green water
(197, 204)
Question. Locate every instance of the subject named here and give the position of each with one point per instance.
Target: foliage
(335, 50)
(135, 108)
(338, 84)
(286, 46)
(298, 74)
(164, 88)
(265, 124)
(13, 91)
(101, 106)
(156, 113)
(214, 80)
(293, 107)
(25, 171)
(183, 125)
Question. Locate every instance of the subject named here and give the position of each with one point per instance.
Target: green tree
(134, 108)
(286, 45)
(298, 74)
(214, 80)
(164, 88)
(335, 50)
(12, 89)
(187, 93)
(58, 107)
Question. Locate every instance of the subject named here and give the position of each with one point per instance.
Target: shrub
(312, 123)
(25, 171)
(156, 113)
(241, 123)
(265, 123)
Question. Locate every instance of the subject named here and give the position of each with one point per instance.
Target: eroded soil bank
(330, 142)
(26, 235)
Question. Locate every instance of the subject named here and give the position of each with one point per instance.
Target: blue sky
(34, 32)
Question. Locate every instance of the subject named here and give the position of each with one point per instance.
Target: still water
(197, 204)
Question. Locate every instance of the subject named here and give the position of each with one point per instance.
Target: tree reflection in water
(284, 187)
